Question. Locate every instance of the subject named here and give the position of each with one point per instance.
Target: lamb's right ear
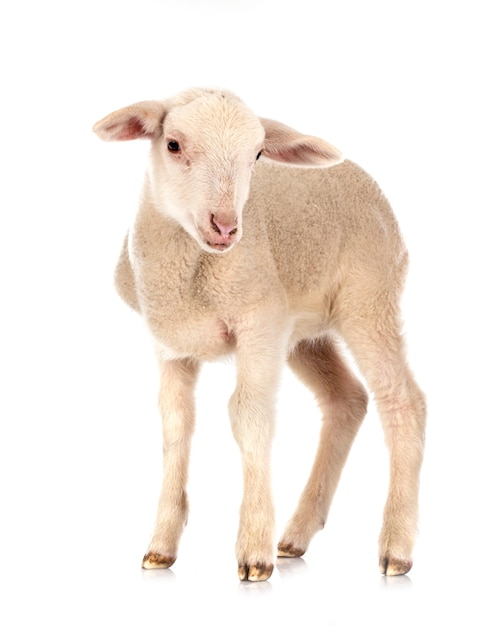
(137, 121)
(286, 145)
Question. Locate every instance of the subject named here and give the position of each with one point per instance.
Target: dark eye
(173, 146)
(258, 155)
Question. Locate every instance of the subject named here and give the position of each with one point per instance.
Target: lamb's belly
(205, 342)
(308, 325)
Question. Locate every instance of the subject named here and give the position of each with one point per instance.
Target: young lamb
(229, 254)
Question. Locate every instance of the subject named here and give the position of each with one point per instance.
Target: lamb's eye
(173, 146)
(258, 155)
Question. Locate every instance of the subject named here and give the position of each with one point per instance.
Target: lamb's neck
(167, 256)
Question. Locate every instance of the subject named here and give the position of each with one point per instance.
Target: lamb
(273, 259)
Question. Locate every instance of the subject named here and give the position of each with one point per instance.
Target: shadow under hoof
(257, 588)
(288, 566)
(395, 582)
(158, 575)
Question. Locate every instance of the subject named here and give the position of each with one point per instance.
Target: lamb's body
(321, 257)
(319, 233)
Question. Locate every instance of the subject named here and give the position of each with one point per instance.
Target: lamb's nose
(225, 227)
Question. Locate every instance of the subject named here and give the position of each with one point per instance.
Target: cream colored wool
(274, 264)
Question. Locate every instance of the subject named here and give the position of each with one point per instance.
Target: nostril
(222, 228)
(213, 224)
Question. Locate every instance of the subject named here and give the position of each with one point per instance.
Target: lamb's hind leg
(176, 405)
(378, 347)
(343, 401)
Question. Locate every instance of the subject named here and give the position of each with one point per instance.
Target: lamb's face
(204, 146)
(203, 164)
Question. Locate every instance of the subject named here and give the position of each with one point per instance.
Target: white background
(408, 90)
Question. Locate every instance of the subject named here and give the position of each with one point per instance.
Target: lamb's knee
(355, 400)
(251, 420)
(359, 402)
(403, 403)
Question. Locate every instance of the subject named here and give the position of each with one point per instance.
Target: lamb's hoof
(290, 550)
(155, 560)
(254, 573)
(390, 566)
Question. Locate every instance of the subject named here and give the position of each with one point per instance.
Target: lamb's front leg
(176, 404)
(252, 419)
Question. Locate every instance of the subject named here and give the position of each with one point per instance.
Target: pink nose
(225, 227)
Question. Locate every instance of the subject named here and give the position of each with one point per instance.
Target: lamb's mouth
(220, 247)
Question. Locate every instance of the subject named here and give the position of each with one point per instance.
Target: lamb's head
(204, 147)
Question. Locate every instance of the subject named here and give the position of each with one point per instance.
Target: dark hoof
(289, 550)
(155, 560)
(390, 566)
(254, 573)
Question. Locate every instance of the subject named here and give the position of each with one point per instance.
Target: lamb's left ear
(288, 146)
(136, 121)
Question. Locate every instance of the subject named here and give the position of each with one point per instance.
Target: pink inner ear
(132, 129)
